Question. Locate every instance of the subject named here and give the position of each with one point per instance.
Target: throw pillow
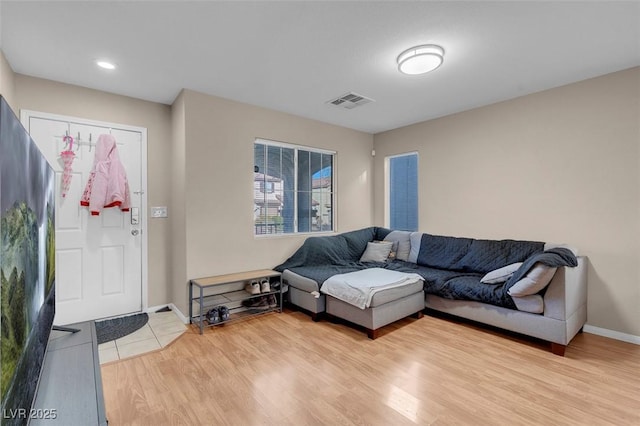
(415, 241)
(501, 275)
(393, 254)
(535, 280)
(377, 252)
(404, 243)
(394, 248)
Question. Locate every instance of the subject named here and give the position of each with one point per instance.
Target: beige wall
(177, 206)
(219, 183)
(58, 98)
(561, 165)
(7, 85)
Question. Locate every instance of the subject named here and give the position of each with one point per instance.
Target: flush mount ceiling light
(106, 65)
(420, 59)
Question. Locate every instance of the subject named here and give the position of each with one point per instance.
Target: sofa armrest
(567, 291)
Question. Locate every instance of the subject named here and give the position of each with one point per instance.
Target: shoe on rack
(272, 301)
(257, 303)
(252, 287)
(276, 285)
(213, 316)
(264, 286)
(224, 313)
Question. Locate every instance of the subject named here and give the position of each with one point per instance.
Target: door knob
(135, 232)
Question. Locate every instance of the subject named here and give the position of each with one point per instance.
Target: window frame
(296, 148)
(387, 187)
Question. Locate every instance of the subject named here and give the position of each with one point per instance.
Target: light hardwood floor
(284, 369)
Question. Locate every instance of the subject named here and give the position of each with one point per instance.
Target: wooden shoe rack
(228, 290)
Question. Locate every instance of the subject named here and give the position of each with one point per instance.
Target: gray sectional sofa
(527, 287)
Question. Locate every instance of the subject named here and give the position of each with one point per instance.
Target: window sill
(297, 234)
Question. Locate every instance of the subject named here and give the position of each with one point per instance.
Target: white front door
(98, 258)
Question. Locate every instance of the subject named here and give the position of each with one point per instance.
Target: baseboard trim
(180, 315)
(629, 338)
(154, 309)
(171, 306)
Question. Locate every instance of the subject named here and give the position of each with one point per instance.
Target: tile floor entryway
(162, 329)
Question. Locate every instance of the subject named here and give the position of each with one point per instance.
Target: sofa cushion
(381, 233)
(500, 275)
(536, 279)
(484, 256)
(415, 239)
(320, 251)
(403, 238)
(357, 241)
(533, 303)
(377, 251)
(443, 252)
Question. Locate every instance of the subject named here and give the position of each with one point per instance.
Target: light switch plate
(159, 211)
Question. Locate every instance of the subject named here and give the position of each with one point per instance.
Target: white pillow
(535, 280)
(501, 275)
(377, 252)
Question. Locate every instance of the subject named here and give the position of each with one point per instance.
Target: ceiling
(296, 56)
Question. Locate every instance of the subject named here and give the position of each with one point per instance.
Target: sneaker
(252, 288)
(272, 301)
(264, 286)
(224, 313)
(275, 286)
(257, 303)
(213, 316)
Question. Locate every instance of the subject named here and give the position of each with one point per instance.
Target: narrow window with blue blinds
(403, 192)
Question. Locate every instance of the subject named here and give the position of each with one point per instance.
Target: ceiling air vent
(350, 101)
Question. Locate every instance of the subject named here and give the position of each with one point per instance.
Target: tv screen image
(27, 266)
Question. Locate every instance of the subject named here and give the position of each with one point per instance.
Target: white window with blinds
(402, 192)
(293, 189)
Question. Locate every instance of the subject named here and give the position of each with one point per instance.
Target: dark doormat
(116, 328)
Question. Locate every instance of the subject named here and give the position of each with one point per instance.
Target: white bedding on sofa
(358, 288)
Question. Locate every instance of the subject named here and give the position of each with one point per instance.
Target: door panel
(69, 271)
(98, 258)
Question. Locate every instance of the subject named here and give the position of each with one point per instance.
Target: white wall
(561, 165)
(178, 237)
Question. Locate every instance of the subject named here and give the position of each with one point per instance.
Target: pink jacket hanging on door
(107, 185)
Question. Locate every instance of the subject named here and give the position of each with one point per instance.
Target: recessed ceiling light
(420, 59)
(106, 65)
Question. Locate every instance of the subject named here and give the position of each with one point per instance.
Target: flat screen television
(27, 266)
